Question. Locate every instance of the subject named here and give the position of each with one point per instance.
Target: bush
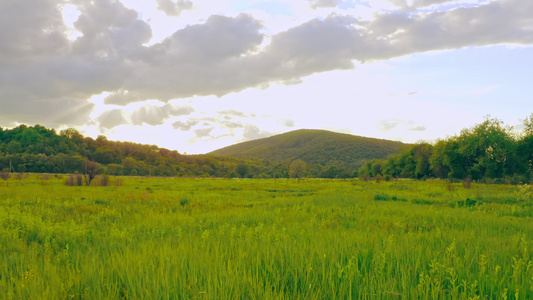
(76, 180)
(5, 175)
(104, 180)
(467, 182)
(79, 180)
(450, 186)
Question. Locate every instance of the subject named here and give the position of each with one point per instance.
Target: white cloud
(112, 118)
(323, 3)
(46, 76)
(184, 126)
(287, 123)
(252, 132)
(386, 125)
(203, 132)
(172, 8)
(157, 115)
(418, 128)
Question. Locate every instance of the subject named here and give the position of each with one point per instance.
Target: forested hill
(37, 149)
(40, 150)
(316, 147)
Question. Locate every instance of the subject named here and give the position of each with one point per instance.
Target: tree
(91, 170)
(241, 170)
(129, 164)
(525, 148)
(297, 169)
(488, 149)
(421, 154)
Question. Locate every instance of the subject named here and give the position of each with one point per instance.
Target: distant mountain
(319, 147)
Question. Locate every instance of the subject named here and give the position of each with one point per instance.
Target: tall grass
(264, 239)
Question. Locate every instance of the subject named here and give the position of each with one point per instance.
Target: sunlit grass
(264, 239)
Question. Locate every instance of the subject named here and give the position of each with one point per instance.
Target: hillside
(40, 150)
(320, 147)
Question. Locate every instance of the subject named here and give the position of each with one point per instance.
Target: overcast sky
(198, 75)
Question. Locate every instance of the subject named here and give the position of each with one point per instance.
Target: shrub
(467, 182)
(5, 175)
(104, 180)
(79, 180)
(379, 178)
(381, 197)
(76, 180)
(69, 181)
(450, 186)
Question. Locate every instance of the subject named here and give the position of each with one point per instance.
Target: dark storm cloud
(46, 78)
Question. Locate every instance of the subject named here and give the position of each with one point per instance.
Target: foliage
(40, 150)
(315, 147)
(298, 169)
(489, 152)
(5, 175)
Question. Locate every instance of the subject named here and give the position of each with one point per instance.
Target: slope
(319, 147)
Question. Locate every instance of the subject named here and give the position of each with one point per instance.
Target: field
(154, 238)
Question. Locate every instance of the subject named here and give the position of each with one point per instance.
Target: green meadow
(176, 238)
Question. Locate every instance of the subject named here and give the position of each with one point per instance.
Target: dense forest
(337, 152)
(488, 152)
(37, 149)
(40, 150)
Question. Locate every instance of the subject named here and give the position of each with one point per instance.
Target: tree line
(488, 152)
(36, 149)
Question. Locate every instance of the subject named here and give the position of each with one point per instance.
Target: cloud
(47, 78)
(252, 132)
(287, 123)
(231, 125)
(418, 128)
(185, 126)
(157, 115)
(174, 9)
(111, 118)
(232, 112)
(386, 125)
(203, 132)
(415, 4)
(323, 3)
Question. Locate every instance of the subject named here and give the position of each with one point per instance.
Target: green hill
(319, 147)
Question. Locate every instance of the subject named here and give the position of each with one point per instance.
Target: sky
(198, 75)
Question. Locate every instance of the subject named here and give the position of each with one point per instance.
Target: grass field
(154, 238)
